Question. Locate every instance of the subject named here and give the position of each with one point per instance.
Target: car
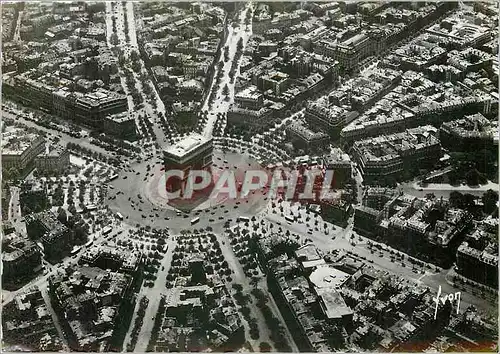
(211, 220)
(125, 177)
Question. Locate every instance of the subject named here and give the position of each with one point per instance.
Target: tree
(72, 209)
(472, 177)
(62, 215)
(456, 199)
(238, 287)
(114, 39)
(80, 234)
(264, 347)
(134, 55)
(490, 200)
(254, 331)
(245, 311)
(469, 201)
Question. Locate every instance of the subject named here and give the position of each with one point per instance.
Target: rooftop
(308, 252)
(181, 296)
(388, 147)
(187, 145)
(336, 156)
(120, 117)
(250, 92)
(328, 277)
(334, 305)
(16, 140)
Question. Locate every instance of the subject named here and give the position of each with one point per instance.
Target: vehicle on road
(112, 177)
(90, 207)
(195, 220)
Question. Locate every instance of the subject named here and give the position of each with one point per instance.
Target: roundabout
(139, 195)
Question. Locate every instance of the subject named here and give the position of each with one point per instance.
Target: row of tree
(277, 330)
(93, 154)
(143, 304)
